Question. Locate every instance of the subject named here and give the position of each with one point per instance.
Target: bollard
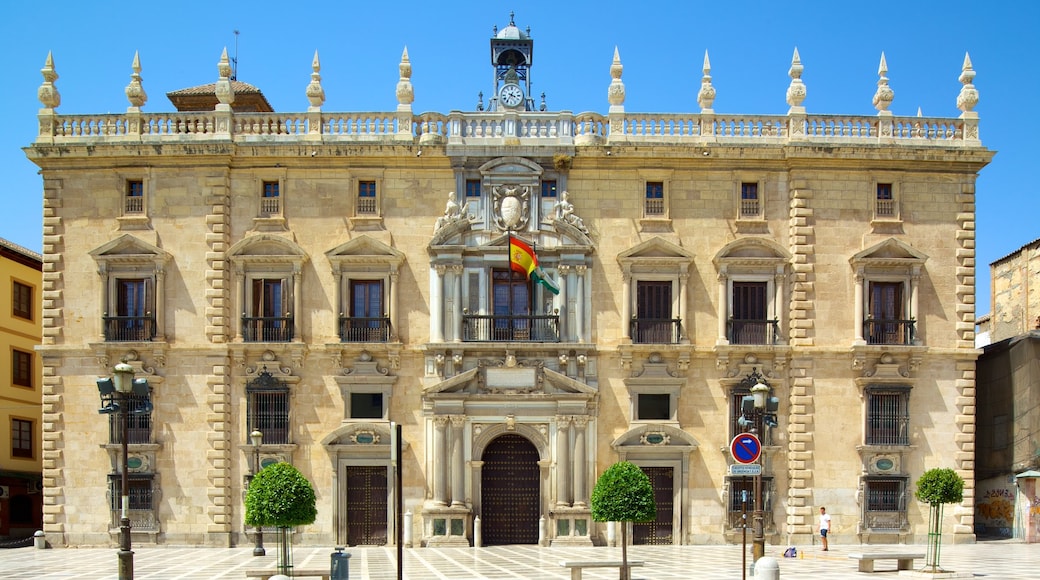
(767, 568)
(340, 569)
(39, 540)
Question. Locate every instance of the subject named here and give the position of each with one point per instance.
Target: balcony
(525, 328)
(896, 332)
(267, 328)
(749, 331)
(357, 329)
(656, 330)
(129, 328)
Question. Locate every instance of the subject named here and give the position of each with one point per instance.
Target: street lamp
(121, 386)
(758, 410)
(257, 438)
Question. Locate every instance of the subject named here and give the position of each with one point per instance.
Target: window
(270, 199)
(134, 196)
(654, 206)
(750, 206)
(887, 322)
(511, 304)
(366, 320)
(268, 318)
(366, 198)
(22, 300)
(141, 500)
(22, 438)
(884, 506)
(886, 204)
(267, 408)
(139, 428)
(742, 497)
(654, 407)
(21, 368)
(750, 323)
(549, 188)
(366, 406)
(472, 188)
(888, 416)
(134, 304)
(736, 411)
(653, 322)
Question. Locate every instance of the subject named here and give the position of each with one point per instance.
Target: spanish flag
(523, 259)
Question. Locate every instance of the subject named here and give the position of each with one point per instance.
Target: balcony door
(750, 316)
(654, 312)
(511, 305)
(367, 312)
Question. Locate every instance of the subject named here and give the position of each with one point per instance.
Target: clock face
(511, 95)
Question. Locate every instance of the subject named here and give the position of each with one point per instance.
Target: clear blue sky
(662, 46)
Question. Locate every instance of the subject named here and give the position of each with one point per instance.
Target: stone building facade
(294, 273)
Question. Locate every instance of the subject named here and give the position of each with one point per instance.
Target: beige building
(21, 388)
(319, 275)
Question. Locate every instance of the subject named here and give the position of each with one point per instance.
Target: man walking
(825, 526)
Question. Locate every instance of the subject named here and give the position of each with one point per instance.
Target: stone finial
(969, 96)
(405, 96)
(884, 94)
(706, 96)
(616, 91)
(135, 91)
(225, 92)
(315, 94)
(48, 93)
(796, 92)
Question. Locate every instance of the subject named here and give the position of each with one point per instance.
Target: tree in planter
(623, 494)
(281, 496)
(936, 488)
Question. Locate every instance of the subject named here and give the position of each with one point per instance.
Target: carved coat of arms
(512, 206)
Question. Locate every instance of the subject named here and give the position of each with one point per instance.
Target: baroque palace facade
(294, 273)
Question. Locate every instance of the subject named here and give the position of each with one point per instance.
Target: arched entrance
(509, 482)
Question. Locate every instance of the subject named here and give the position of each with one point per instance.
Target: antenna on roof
(234, 59)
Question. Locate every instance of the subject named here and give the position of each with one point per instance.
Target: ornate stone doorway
(659, 531)
(510, 491)
(366, 505)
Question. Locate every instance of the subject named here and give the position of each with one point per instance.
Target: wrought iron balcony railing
(129, 328)
(747, 331)
(878, 331)
(267, 328)
(521, 328)
(357, 329)
(656, 330)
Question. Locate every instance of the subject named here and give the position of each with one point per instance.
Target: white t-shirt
(825, 521)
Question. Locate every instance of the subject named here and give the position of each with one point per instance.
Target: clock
(511, 95)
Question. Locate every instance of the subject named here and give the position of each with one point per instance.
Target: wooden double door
(367, 492)
(510, 492)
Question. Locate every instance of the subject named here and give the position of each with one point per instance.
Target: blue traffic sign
(746, 448)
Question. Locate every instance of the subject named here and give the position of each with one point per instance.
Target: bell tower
(511, 56)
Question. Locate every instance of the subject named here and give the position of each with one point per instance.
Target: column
(858, 309)
(297, 284)
(160, 303)
(440, 457)
(915, 283)
(723, 305)
(458, 476)
(563, 478)
(437, 304)
(564, 271)
(239, 299)
(456, 300)
(392, 307)
(340, 308)
(580, 461)
(779, 305)
(684, 279)
(103, 299)
(626, 307)
(579, 308)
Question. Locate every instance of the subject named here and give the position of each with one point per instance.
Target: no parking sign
(746, 448)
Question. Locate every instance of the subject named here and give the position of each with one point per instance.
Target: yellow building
(21, 388)
(318, 276)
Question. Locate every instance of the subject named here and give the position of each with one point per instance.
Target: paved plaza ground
(989, 560)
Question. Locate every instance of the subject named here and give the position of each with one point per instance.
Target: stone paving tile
(989, 561)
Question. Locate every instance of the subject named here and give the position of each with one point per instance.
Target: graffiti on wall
(995, 511)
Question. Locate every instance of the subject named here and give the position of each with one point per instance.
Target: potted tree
(936, 488)
(281, 496)
(623, 494)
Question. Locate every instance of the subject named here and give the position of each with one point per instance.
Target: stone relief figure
(452, 213)
(564, 212)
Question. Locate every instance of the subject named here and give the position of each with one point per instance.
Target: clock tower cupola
(511, 55)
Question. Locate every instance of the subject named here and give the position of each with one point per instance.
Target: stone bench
(267, 573)
(904, 561)
(576, 566)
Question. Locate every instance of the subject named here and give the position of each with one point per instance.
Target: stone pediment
(656, 436)
(655, 254)
(889, 252)
(364, 250)
(266, 245)
(129, 248)
(751, 251)
(518, 379)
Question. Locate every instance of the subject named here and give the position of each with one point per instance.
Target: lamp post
(759, 394)
(123, 378)
(257, 438)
